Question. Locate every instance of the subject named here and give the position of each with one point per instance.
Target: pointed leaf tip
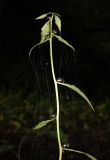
(41, 17)
(80, 152)
(41, 42)
(64, 41)
(43, 123)
(77, 90)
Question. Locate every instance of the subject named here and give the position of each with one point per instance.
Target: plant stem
(56, 92)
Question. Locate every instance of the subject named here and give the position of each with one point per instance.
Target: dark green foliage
(85, 129)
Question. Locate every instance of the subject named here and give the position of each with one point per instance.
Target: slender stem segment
(56, 92)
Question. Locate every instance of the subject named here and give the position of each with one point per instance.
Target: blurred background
(85, 25)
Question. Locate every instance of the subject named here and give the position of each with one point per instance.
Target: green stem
(56, 93)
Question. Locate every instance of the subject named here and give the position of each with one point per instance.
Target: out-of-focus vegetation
(86, 130)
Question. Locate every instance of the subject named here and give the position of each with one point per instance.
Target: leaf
(86, 154)
(64, 41)
(45, 31)
(58, 22)
(45, 15)
(42, 16)
(43, 123)
(56, 14)
(76, 89)
(37, 45)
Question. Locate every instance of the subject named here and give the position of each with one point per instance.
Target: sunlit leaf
(64, 41)
(37, 45)
(42, 16)
(76, 89)
(58, 22)
(43, 123)
(80, 152)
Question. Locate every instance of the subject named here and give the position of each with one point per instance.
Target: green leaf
(76, 151)
(46, 14)
(76, 89)
(43, 123)
(54, 13)
(42, 16)
(64, 41)
(41, 42)
(58, 22)
(45, 31)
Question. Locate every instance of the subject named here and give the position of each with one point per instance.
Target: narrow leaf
(43, 123)
(45, 31)
(42, 16)
(80, 152)
(76, 89)
(58, 22)
(64, 41)
(41, 42)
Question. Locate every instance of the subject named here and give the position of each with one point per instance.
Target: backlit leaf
(64, 41)
(58, 22)
(43, 123)
(76, 89)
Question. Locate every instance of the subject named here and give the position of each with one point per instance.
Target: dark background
(86, 25)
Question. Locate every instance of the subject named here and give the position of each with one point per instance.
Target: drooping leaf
(58, 22)
(37, 45)
(45, 31)
(45, 15)
(76, 89)
(43, 123)
(80, 152)
(64, 41)
(42, 16)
